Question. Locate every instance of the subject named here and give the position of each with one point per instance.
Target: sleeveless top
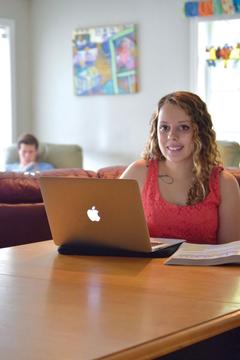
(196, 223)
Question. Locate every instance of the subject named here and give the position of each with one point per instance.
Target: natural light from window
(5, 90)
(218, 82)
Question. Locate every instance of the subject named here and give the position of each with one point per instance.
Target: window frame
(199, 81)
(10, 24)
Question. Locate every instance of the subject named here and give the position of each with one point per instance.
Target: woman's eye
(184, 127)
(163, 128)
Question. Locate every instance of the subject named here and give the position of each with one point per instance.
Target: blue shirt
(33, 167)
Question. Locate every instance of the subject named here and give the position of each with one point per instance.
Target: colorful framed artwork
(105, 60)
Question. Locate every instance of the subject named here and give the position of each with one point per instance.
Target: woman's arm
(137, 171)
(229, 210)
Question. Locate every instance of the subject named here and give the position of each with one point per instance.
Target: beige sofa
(60, 155)
(71, 156)
(230, 153)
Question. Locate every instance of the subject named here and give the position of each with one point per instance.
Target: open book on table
(203, 254)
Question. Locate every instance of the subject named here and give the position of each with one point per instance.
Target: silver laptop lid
(105, 212)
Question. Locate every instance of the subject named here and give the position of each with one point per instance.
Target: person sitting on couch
(186, 193)
(28, 156)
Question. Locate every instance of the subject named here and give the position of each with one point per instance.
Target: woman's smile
(175, 147)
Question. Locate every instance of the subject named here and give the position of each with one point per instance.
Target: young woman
(186, 193)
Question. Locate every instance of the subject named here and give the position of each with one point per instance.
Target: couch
(22, 214)
(60, 155)
(71, 156)
(230, 153)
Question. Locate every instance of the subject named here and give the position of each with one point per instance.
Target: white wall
(18, 11)
(105, 125)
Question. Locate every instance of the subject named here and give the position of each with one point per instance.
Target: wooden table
(64, 307)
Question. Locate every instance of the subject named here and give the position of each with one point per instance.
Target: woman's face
(175, 133)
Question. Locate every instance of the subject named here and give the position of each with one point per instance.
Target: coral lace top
(196, 223)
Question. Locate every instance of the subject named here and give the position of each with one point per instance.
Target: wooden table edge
(176, 341)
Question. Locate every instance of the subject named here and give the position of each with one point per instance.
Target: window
(6, 89)
(218, 82)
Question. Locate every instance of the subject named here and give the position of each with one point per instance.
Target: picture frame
(105, 60)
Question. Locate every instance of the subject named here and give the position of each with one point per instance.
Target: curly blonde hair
(205, 155)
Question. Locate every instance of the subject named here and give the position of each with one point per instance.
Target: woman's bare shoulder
(229, 187)
(229, 209)
(228, 180)
(136, 170)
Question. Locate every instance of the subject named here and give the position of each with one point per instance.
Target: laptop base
(76, 248)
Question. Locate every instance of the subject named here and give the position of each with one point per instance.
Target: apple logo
(93, 214)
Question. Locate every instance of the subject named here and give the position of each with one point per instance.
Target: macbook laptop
(99, 216)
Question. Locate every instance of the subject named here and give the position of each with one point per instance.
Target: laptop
(99, 216)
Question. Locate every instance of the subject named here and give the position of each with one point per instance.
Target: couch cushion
(24, 188)
(61, 155)
(74, 172)
(19, 188)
